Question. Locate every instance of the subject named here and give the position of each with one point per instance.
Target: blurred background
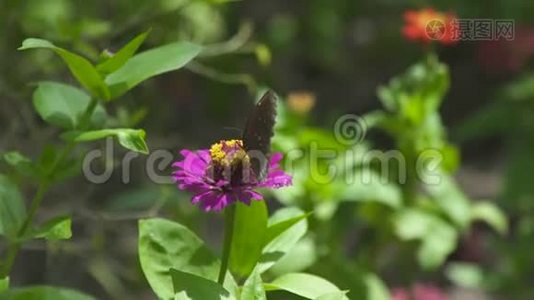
(325, 58)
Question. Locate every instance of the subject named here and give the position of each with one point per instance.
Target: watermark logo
(321, 163)
(350, 130)
(435, 29)
(471, 29)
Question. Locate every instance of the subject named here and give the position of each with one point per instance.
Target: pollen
(216, 152)
(226, 151)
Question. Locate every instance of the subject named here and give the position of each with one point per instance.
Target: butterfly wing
(258, 133)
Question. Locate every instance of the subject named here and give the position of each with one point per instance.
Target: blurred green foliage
(365, 238)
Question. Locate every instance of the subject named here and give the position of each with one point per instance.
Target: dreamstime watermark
(354, 164)
(350, 129)
(471, 29)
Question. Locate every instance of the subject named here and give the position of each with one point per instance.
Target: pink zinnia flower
(223, 174)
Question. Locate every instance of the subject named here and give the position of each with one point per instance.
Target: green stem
(14, 246)
(229, 215)
(232, 45)
(35, 204)
(240, 78)
(12, 251)
(85, 120)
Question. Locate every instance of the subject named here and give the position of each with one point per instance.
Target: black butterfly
(258, 133)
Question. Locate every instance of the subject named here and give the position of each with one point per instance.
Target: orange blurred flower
(427, 25)
(301, 102)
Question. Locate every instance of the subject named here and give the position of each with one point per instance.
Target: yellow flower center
(228, 152)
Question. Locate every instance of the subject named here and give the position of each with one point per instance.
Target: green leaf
(249, 231)
(491, 214)
(22, 164)
(164, 245)
(43, 293)
(188, 286)
(451, 158)
(450, 199)
(12, 210)
(335, 296)
(439, 242)
(64, 105)
(253, 287)
(376, 288)
(80, 67)
(4, 284)
(371, 187)
(131, 139)
(47, 159)
(302, 284)
(412, 224)
(150, 63)
(426, 81)
(438, 238)
(116, 61)
(286, 240)
(231, 285)
(465, 275)
(58, 228)
(275, 230)
(300, 257)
